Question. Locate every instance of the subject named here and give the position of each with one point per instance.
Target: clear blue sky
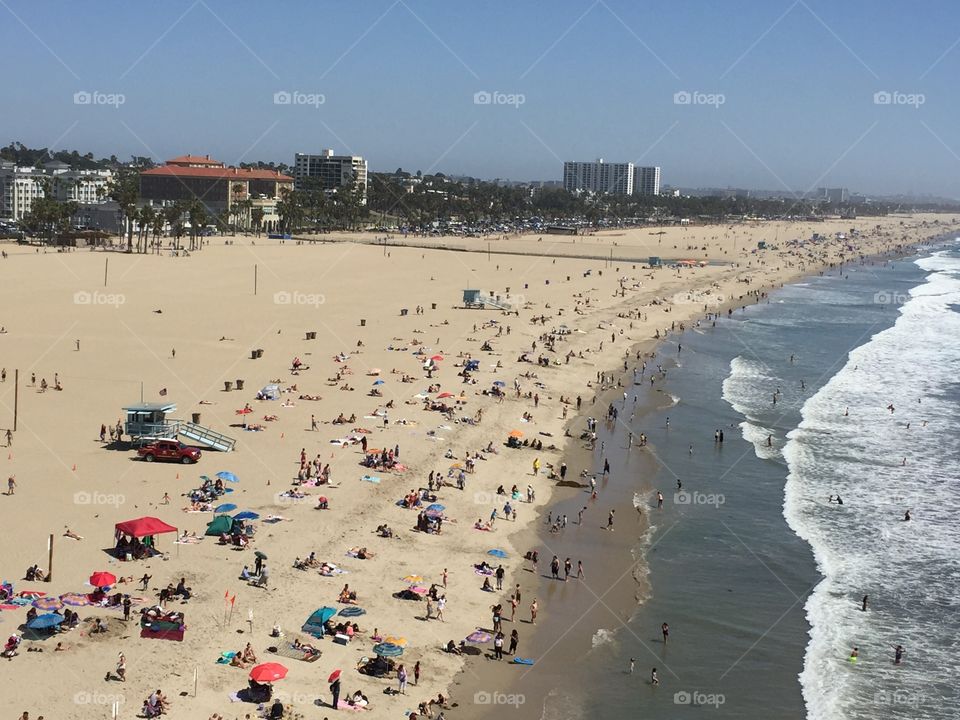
(598, 79)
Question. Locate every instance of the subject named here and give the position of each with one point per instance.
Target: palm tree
(256, 215)
(198, 222)
(125, 191)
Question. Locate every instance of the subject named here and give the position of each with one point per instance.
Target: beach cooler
(341, 639)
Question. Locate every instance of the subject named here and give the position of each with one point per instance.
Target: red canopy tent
(141, 527)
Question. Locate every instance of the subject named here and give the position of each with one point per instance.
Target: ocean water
(758, 574)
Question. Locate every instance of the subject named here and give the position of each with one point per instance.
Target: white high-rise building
(20, 186)
(598, 177)
(646, 180)
(332, 171)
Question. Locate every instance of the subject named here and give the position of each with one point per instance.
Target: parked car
(172, 450)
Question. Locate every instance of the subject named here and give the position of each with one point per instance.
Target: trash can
(195, 417)
(260, 352)
(403, 312)
(227, 386)
(239, 384)
(253, 354)
(433, 306)
(363, 323)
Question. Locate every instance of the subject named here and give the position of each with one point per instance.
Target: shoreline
(576, 455)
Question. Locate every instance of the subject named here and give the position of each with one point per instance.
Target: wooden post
(50, 558)
(16, 397)
(196, 679)
(106, 263)
(254, 279)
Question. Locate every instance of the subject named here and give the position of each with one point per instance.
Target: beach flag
(74, 467)
(233, 600)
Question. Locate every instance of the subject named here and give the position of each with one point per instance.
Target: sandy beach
(176, 329)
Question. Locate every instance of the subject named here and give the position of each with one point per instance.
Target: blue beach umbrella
(225, 508)
(246, 515)
(437, 507)
(228, 476)
(45, 621)
(378, 381)
(499, 383)
(386, 649)
(496, 552)
(352, 611)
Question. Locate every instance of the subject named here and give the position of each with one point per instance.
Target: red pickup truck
(171, 450)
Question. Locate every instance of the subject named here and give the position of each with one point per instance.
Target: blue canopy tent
(314, 624)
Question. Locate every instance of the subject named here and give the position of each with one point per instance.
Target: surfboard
(522, 661)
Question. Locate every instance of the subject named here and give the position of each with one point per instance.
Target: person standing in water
(898, 654)
(863, 605)
(665, 630)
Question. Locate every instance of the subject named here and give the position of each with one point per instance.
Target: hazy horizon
(788, 96)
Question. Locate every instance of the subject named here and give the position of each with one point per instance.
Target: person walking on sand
(402, 680)
(441, 604)
(416, 673)
(313, 423)
(665, 630)
(659, 500)
(610, 520)
(654, 680)
(11, 485)
(631, 666)
(533, 612)
(514, 640)
(335, 691)
(122, 668)
(580, 575)
(9, 437)
(498, 646)
(536, 466)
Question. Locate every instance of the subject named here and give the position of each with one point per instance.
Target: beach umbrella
(102, 579)
(393, 640)
(436, 506)
(436, 358)
(386, 649)
(516, 433)
(244, 411)
(413, 579)
(74, 599)
(47, 620)
(47, 603)
(268, 672)
(499, 383)
(246, 515)
(334, 676)
(443, 395)
(479, 636)
(374, 371)
(433, 513)
(352, 611)
(261, 555)
(379, 381)
(228, 476)
(225, 508)
(497, 552)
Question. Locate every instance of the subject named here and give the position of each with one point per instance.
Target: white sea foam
(602, 637)
(863, 547)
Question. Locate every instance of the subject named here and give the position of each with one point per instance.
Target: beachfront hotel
(332, 171)
(611, 178)
(21, 186)
(219, 187)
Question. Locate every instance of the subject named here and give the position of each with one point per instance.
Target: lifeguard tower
(149, 421)
(476, 299)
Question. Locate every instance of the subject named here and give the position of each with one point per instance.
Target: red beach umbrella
(335, 675)
(268, 672)
(102, 578)
(443, 395)
(436, 358)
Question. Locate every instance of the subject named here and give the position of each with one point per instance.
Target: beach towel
(343, 705)
(288, 651)
(226, 657)
(522, 661)
(371, 478)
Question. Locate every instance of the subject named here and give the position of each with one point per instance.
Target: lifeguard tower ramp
(205, 436)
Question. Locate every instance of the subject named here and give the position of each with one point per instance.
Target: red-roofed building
(217, 186)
